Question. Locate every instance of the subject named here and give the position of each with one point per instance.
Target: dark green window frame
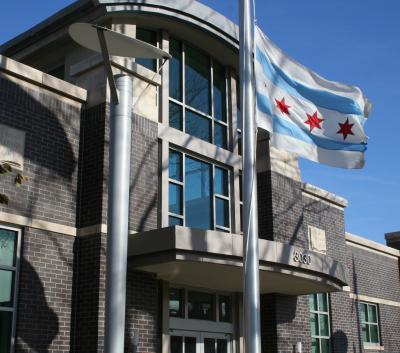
(369, 318)
(10, 238)
(212, 116)
(320, 323)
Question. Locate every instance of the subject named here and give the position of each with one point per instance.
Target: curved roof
(188, 11)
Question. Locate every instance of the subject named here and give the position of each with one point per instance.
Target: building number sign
(301, 258)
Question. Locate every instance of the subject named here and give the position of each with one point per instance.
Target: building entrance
(199, 342)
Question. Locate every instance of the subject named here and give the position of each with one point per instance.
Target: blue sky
(352, 41)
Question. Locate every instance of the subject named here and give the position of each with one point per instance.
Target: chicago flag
(306, 114)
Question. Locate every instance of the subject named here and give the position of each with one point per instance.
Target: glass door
(199, 342)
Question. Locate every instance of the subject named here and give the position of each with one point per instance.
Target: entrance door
(199, 342)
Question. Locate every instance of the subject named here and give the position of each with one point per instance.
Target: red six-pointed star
(345, 129)
(314, 121)
(282, 106)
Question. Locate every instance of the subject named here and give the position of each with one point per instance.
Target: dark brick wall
(292, 323)
(45, 292)
(89, 302)
(373, 274)
(280, 209)
(91, 166)
(390, 328)
(52, 131)
(94, 170)
(142, 312)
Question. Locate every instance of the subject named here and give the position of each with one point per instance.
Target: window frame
(16, 271)
(370, 323)
(319, 313)
(183, 106)
(215, 195)
(157, 44)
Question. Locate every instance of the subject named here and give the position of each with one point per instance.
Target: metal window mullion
(183, 188)
(7, 309)
(199, 112)
(226, 198)
(183, 61)
(214, 196)
(8, 268)
(173, 100)
(211, 71)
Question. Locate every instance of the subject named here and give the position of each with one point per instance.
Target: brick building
(333, 291)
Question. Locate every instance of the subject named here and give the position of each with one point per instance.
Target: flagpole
(251, 284)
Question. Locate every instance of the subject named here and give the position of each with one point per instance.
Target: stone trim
(357, 241)
(41, 79)
(373, 300)
(324, 195)
(37, 223)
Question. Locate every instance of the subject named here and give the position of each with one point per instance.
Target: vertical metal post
(251, 298)
(118, 215)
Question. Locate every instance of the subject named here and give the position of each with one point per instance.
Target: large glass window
(150, 37)
(369, 323)
(320, 325)
(9, 265)
(197, 91)
(199, 195)
(199, 305)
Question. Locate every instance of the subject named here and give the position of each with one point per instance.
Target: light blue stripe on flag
(320, 98)
(284, 127)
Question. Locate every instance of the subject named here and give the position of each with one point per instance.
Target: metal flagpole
(251, 297)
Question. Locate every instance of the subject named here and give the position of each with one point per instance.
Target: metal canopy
(118, 44)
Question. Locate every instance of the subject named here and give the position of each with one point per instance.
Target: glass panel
(209, 345)
(239, 112)
(176, 302)
(365, 333)
(220, 135)
(314, 324)
(363, 312)
(198, 201)
(175, 165)
(222, 212)
(224, 308)
(151, 38)
(201, 306)
(175, 199)
(221, 181)
(190, 344)
(372, 317)
(323, 325)
(175, 70)
(241, 218)
(240, 187)
(176, 344)
(313, 302)
(175, 221)
(324, 345)
(219, 92)
(197, 79)
(6, 288)
(5, 331)
(315, 345)
(323, 302)
(8, 248)
(222, 346)
(198, 126)
(175, 116)
(374, 333)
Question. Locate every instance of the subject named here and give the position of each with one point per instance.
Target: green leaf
(19, 179)
(5, 168)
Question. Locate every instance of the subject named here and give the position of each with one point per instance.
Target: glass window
(197, 89)
(198, 201)
(201, 306)
(199, 194)
(9, 266)
(176, 302)
(198, 125)
(150, 37)
(369, 323)
(320, 324)
(224, 308)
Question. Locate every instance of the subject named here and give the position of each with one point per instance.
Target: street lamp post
(108, 43)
